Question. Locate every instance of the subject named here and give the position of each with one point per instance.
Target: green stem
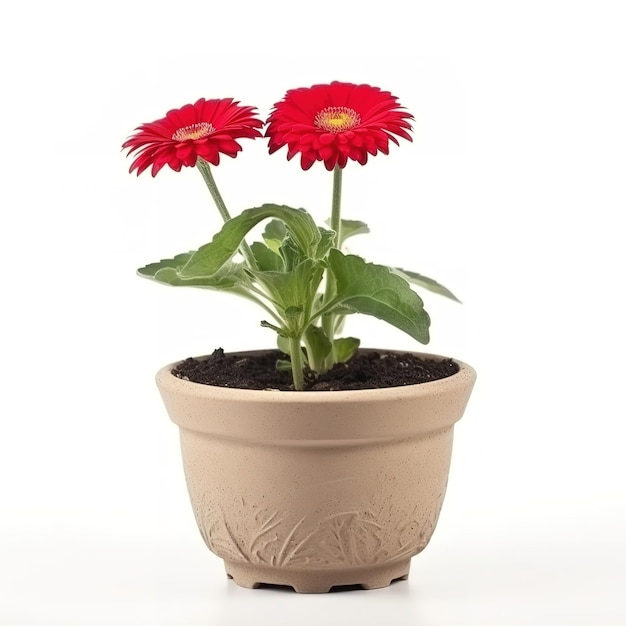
(297, 365)
(207, 175)
(328, 321)
(335, 216)
(205, 170)
(249, 295)
(313, 362)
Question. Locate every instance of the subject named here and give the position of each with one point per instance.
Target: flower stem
(328, 321)
(335, 217)
(297, 366)
(207, 175)
(205, 170)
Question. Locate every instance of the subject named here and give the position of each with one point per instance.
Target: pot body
(316, 489)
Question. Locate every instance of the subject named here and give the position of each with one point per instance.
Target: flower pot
(317, 489)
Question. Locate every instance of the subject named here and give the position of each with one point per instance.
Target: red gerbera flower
(336, 122)
(204, 129)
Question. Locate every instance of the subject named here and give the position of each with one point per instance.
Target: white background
(512, 195)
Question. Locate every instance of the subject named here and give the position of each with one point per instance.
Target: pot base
(317, 581)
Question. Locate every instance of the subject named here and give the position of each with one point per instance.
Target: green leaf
(283, 344)
(291, 254)
(293, 291)
(349, 228)
(210, 257)
(373, 290)
(293, 312)
(152, 268)
(345, 348)
(318, 345)
(265, 258)
(327, 239)
(167, 271)
(424, 281)
(274, 234)
(282, 365)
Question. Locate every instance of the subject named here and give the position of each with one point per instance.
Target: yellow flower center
(337, 119)
(193, 131)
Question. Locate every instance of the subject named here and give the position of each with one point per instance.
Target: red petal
(292, 119)
(153, 141)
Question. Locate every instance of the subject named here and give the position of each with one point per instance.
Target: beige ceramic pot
(321, 488)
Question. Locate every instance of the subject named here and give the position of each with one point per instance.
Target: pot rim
(466, 375)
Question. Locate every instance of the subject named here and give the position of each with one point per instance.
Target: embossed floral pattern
(345, 539)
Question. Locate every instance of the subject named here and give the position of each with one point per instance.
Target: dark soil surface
(367, 370)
